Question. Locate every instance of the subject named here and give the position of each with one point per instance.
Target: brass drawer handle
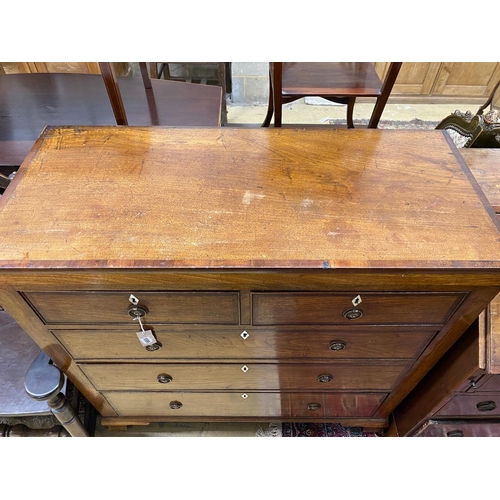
(455, 433)
(337, 345)
(486, 406)
(352, 313)
(313, 406)
(137, 311)
(154, 347)
(175, 405)
(325, 377)
(163, 378)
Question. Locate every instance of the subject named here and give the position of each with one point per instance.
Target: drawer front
(459, 429)
(468, 405)
(492, 384)
(374, 308)
(238, 404)
(249, 343)
(282, 376)
(112, 307)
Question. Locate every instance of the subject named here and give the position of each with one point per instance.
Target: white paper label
(146, 337)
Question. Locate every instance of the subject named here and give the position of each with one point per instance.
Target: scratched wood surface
(485, 165)
(114, 197)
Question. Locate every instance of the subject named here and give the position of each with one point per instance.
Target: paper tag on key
(146, 337)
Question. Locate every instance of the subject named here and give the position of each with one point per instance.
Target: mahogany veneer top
(485, 165)
(152, 197)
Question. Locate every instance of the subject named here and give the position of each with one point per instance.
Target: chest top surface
(132, 197)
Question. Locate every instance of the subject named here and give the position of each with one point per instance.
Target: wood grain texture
(385, 308)
(153, 197)
(231, 404)
(346, 376)
(30, 102)
(485, 166)
(163, 307)
(438, 386)
(224, 344)
(494, 337)
(326, 78)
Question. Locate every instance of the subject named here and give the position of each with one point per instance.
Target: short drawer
(290, 308)
(468, 405)
(491, 384)
(249, 376)
(243, 404)
(112, 307)
(249, 343)
(459, 428)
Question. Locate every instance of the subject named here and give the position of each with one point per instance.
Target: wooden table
(306, 275)
(485, 165)
(30, 102)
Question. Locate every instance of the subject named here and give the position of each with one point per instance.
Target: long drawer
(263, 376)
(238, 404)
(112, 307)
(249, 343)
(311, 308)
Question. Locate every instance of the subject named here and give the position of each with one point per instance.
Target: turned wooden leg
(44, 382)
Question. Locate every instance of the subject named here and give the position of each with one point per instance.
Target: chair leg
(270, 106)
(350, 111)
(113, 90)
(389, 81)
(43, 383)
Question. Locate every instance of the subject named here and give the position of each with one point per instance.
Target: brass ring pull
(163, 378)
(154, 347)
(486, 406)
(175, 405)
(456, 433)
(337, 345)
(137, 311)
(325, 377)
(313, 406)
(352, 313)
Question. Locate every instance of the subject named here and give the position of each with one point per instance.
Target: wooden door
(467, 79)
(443, 82)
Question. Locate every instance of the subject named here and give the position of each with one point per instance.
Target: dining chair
(35, 397)
(31, 101)
(339, 82)
(481, 130)
(204, 73)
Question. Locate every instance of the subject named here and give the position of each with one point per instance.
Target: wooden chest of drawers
(280, 274)
(460, 396)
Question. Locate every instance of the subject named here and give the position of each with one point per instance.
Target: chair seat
(17, 352)
(330, 78)
(29, 102)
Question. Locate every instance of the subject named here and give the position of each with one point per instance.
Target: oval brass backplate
(137, 311)
(325, 377)
(163, 378)
(154, 347)
(175, 405)
(455, 433)
(352, 313)
(486, 406)
(313, 406)
(337, 345)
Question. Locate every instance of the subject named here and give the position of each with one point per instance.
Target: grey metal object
(44, 382)
(17, 352)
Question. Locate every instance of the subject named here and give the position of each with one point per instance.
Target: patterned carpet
(322, 430)
(414, 124)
